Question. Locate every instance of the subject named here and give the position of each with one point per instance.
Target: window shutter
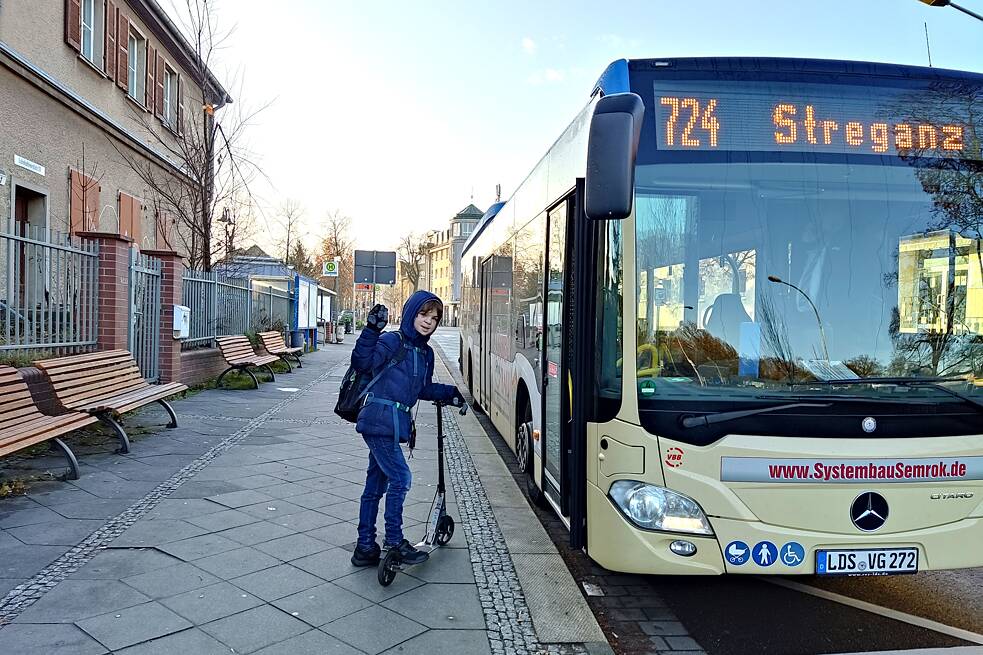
(109, 52)
(165, 223)
(73, 24)
(123, 46)
(83, 203)
(92, 190)
(151, 87)
(136, 220)
(125, 214)
(180, 105)
(161, 72)
(75, 202)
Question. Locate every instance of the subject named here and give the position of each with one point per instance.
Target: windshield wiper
(720, 417)
(933, 383)
(876, 380)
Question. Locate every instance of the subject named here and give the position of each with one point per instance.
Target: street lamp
(949, 3)
(822, 333)
(227, 220)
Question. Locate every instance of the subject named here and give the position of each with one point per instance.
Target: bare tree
(412, 253)
(941, 342)
(338, 242)
(290, 215)
(210, 166)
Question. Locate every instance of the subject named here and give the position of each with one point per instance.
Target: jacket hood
(410, 310)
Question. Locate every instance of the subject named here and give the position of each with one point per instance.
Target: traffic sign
(330, 268)
(375, 266)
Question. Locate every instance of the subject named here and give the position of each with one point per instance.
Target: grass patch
(23, 358)
(13, 488)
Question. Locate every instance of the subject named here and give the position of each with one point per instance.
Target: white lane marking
(911, 619)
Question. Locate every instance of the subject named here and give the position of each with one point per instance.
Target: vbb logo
(674, 457)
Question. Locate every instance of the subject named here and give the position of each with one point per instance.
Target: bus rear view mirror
(611, 148)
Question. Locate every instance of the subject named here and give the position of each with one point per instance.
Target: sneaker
(366, 556)
(408, 554)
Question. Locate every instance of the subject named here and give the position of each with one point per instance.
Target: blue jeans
(388, 474)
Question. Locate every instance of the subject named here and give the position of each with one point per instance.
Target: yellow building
(440, 276)
(939, 273)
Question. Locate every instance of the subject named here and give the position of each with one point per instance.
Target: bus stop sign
(375, 266)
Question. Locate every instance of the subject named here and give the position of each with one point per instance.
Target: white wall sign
(3, 179)
(29, 165)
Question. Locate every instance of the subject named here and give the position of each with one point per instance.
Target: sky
(399, 114)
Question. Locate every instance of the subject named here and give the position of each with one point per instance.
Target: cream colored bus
(732, 322)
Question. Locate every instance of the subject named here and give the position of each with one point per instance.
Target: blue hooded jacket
(404, 383)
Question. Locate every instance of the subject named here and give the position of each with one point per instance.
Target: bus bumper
(616, 544)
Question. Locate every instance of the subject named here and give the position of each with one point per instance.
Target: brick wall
(171, 268)
(114, 289)
(199, 366)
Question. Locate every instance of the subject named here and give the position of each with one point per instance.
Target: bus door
(556, 370)
(484, 335)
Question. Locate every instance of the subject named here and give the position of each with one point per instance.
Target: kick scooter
(440, 526)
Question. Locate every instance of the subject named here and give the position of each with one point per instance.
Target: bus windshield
(766, 279)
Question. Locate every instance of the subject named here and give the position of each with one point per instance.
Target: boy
(384, 421)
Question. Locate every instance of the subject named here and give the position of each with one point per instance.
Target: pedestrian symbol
(764, 553)
(737, 553)
(793, 554)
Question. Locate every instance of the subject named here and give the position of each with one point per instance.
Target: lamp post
(822, 333)
(949, 3)
(227, 220)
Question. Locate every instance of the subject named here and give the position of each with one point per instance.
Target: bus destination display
(772, 117)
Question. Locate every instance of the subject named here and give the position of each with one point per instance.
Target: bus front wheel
(475, 404)
(524, 459)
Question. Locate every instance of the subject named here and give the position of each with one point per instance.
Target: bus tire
(523, 434)
(475, 404)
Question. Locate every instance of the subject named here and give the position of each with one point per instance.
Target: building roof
(254, 251)
(253, 262)
(159, 22)
(470, 212)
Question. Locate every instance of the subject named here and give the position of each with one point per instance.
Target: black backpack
(356, 384)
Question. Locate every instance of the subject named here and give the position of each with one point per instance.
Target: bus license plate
(874, 561)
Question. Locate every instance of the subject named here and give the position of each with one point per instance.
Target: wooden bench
(238, 353)
(22, 425)
(106, 384)
(273, 343)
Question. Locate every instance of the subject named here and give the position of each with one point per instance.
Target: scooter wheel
(388, 568)
(445, 530)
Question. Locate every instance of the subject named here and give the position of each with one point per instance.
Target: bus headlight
(658, 508)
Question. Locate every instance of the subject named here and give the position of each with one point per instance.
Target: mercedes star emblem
(869, 511)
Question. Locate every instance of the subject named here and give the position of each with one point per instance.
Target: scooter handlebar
(443, 403)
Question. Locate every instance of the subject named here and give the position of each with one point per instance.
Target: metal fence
(144, 334)
(272, 309)
(48, 291)
(217, 307)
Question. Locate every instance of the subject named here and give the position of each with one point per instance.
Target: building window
(457, 229)
(93, 30)
(170, 98)
(137, 62)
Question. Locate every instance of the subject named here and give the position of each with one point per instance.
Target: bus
(732, 322)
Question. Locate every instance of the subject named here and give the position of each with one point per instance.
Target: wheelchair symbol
(792, 554)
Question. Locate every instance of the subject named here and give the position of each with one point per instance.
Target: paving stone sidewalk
(233, 533)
